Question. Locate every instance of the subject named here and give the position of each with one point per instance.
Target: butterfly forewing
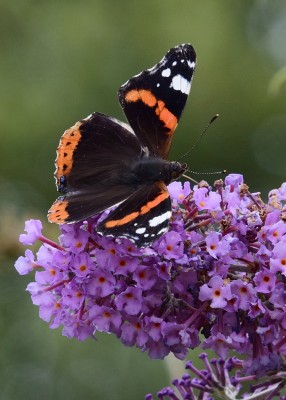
(153, 101)
(95, 151)
(90, 171)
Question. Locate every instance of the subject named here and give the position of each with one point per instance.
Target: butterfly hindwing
(78, 206)
(143, 217)
(153, 101)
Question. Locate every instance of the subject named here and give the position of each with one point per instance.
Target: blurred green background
(62, 60)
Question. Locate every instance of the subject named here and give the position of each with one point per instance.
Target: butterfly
(102, 162)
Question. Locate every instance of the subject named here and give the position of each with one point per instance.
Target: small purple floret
(33, 230)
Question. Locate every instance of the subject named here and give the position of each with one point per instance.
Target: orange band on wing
(67, 146)
(144, 95)
(153, 203)
(143, 210)
(123, 221)
(169, 119)
(58, 213)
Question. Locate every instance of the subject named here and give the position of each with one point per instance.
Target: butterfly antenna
(203, 173)
(199, 138)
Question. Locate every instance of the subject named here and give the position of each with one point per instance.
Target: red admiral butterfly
(102, 162)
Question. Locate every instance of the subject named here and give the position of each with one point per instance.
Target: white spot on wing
(174, 63)
(140, 231)
(191, 64)
(160, 219)
(166, 72)
(181, 83)
(163, 230)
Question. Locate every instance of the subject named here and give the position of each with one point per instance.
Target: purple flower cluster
(221, 379)
(218, 273)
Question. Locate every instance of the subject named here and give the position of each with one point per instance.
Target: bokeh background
(62, 60)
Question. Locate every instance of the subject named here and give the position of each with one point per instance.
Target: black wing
(153, 101)
(93, 160)
(142, 218)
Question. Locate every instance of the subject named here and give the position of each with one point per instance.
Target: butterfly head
(177, 170)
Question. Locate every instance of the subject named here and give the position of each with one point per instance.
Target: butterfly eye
(177, 169)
